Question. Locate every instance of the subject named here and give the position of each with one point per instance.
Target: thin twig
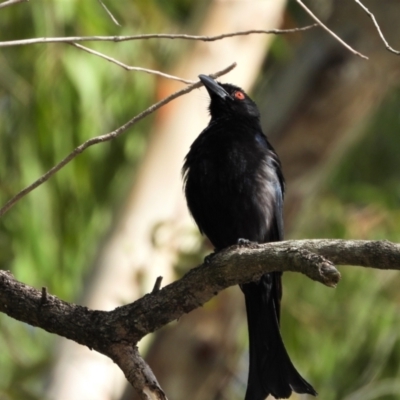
(43, 299)
(157, 284)
(105, 138)
(11, 3)
(109, 13)
(372, 16)
(69, 39)
(314, 17)
(129, 68)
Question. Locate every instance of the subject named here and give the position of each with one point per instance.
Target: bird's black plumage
(234, 189)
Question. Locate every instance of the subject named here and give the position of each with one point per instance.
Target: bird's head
(228, 100)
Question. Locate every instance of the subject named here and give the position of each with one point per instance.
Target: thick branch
(235, 265)
(87, 327)
(115, 333)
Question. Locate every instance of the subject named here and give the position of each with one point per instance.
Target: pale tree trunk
(128, 264)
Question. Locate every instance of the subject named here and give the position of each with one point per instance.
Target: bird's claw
(244, 242)
(208, 258)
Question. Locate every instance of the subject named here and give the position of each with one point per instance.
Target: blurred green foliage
(53, 97)
(349, 337)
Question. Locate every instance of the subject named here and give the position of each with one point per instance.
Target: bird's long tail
(271, 370)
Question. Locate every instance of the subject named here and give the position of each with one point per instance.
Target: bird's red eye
(238, 95)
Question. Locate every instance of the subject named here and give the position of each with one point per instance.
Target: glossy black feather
(234, 189)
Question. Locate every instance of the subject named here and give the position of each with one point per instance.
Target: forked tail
(271, 370)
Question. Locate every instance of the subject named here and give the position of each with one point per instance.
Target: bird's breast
(231, 189)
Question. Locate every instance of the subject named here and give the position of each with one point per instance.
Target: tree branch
(378, 28)
(137, 371)
(104, 138)
(70, 39)
(319, 22)
(129, 68)
(11, 3)
(115, 333)
(109, 13)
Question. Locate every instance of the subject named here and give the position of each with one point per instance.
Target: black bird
(234, 189)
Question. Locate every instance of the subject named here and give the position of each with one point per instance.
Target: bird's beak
(213, 88)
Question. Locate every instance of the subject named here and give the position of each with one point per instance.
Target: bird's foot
(243, 242)
(208, 258)
(246, 243)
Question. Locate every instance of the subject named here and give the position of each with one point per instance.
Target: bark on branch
(115, 333)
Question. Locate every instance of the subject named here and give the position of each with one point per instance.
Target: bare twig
(109, 13)
(129, 68)
(70, 39)
(372, 16)
(105, 138)
(11, 2)
(315, 18)
(157, 284)
(44, 296)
